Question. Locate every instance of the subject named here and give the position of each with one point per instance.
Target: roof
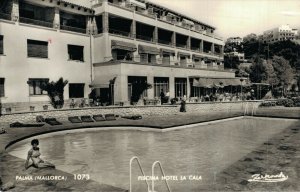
(81, 3)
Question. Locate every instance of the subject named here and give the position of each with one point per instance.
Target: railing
(118, 32)
(130, 173)
(163, 173)
(35, 22)
(164, 42)
(145, 38)
(181, 45)
(5, 16)
(74, 29)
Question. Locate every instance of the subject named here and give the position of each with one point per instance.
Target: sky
(237, 17)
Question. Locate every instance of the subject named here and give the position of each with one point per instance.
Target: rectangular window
(76, 90)
(35, 86)
(2, 93)
(180, 87)
(1, 44)
(37, 49)
(75, 52)
(160, 83)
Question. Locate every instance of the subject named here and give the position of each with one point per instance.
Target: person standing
(162, 96)
(183, 104)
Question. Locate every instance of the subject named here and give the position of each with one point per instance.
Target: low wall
(164, 110)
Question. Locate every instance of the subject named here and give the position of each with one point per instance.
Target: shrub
(289, 103)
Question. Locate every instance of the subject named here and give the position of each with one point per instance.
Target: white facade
(282, 33)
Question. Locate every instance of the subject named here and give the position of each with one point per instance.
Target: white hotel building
(103, 47)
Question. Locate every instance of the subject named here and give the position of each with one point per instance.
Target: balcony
(73, 29)
(145, 38)
(5, 16)
(36, 22)
(164, 42)
(181, 45)
(120, 33)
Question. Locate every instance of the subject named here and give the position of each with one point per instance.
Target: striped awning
(123, 45)
(197, 56)
(148, 50)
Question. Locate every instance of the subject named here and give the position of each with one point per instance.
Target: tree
(258, 71)
(231, 62)
(55, 92)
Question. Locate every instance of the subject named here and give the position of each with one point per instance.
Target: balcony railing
(181, 45)
(35, 22)
(118, 32)
(145, 38)
(5, 16)
(164, 42)
(74, 29)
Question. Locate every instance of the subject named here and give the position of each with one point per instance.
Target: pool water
(202, 150)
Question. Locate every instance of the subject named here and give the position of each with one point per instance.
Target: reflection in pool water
(203, 150)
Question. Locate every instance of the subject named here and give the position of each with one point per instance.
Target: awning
(168, 51)
(218, 82)
(137, 3)
(148, 50)
(197, 56)
(184, 54)
(123, 45)
(102, 82)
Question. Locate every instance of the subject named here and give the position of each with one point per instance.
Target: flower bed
(293, 102)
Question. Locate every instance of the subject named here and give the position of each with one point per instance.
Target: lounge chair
(18, 124)
(52, 121)
(40, 119)
(74, 119)
(87, 119)
(110, 117)
(98, 118)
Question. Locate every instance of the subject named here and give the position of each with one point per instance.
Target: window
(180, 87)
(35, 86)
(37, 49)
(160, 83)
(1, 44)
(2, 94)
(75, 52)
(76, 90)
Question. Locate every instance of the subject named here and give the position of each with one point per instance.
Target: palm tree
(55, 92)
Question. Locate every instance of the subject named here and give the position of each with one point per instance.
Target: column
(133, 29)
(15, 10)
(105, 22)
(121, 89)
(56, 20)
(222, 51)
(155, 35)
(150, 80)
(88, 25)
(212, 48)
(201, 46)
(174, 39)
(188, 88)
(189, 42)
(172, 87)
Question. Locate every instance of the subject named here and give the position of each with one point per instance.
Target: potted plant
(31, 108)
(45, 107)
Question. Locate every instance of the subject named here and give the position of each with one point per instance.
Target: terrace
(72, 22)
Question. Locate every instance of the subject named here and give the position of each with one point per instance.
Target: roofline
(67, 2)
(183, 15)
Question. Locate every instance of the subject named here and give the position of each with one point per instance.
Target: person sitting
(72, 104)
(34, 155)
(2, 131)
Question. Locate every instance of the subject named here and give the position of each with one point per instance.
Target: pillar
(56, 20)
(172, 87)
(174, 39)
(201, 46)
(222, 51)
(105, 22)
(121, 89)
(88, 25)
(15, 11)
(213, 48)
(189, 42)
(188, 88)
(133, 29)
(155, 35)
(150, 80)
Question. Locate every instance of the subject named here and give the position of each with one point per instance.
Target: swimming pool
(200, 150)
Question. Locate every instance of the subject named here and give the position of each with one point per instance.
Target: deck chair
(86, 119)
(52, 121)
(98, 118)
(110, 117)
(74, 119)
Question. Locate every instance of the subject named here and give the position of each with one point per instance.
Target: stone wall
(164, 110)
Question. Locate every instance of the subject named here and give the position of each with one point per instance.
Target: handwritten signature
(268, 178)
